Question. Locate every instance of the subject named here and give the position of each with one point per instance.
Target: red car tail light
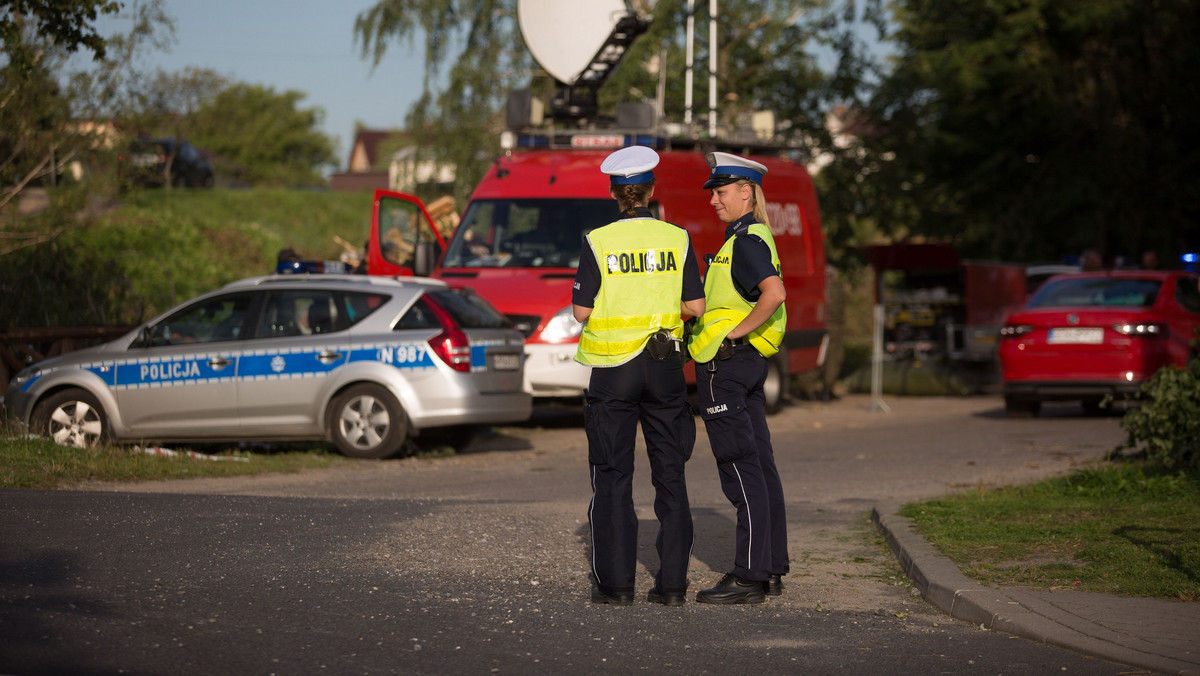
(1015, 330)
(452, 347)
(1147, 329)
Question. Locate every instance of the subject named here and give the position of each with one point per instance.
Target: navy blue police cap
(728, 168)
(630, 166)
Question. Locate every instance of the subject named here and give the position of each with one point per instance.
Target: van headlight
(562, 327)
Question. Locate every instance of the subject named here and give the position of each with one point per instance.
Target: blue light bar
(312, 267)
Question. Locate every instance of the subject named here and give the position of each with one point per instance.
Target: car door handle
(329, 356)
(219, 363)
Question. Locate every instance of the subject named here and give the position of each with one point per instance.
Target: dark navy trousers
(618, 397)
(732, 405)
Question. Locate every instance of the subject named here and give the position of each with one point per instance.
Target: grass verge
(40, 463)
(1129, 530)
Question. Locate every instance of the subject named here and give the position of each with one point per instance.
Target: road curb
(1025, 614)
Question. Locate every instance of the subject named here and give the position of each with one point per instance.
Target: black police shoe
(733, 589)
(773, 586)
(619, 597)
(666, 597)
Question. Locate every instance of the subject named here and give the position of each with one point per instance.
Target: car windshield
(1096, 292)
(532, 233)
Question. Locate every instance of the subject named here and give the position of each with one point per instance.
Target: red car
(1086, 335)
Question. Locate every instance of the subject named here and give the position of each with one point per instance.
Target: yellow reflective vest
(724, 307)
(641, 286)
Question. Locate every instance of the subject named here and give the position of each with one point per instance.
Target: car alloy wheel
(366, 421)
(72, 418)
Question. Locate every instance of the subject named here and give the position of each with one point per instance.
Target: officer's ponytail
(630, 196)
(760, 205)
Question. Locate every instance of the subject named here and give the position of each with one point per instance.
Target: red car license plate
(1071, 336)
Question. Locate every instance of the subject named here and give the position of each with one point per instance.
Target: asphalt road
(477, 563)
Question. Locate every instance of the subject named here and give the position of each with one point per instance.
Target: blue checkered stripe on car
(255, 365)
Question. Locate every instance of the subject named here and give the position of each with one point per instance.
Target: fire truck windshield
(529, 233)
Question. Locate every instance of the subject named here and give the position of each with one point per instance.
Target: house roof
(364, 153)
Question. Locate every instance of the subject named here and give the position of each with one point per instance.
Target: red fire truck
(519, 240)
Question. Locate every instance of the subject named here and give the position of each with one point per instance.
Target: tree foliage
(454, 124)
(66, 24)
(269, 138)
(1030, 129)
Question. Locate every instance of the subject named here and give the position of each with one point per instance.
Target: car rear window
(1096, 292)
(469, 310)
(419, 316)
(360, 305)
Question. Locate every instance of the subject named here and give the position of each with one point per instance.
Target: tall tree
(267, 134)
(1037, 128)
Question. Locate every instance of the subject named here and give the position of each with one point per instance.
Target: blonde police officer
(742, 326)
(637, 280)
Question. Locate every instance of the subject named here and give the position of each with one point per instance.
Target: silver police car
(362, 361)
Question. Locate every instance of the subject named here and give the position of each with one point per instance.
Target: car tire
(72, 418)
(366, 421)
(775, 387)
(1021, 408)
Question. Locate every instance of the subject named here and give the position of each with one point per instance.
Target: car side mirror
(145, 337)
(423, 259)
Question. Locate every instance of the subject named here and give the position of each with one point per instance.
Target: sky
(302, 45)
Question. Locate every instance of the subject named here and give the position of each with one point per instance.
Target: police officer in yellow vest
(637, 281)
(741, 328)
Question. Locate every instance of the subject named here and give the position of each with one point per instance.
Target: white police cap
(728, 168)
(630, 166)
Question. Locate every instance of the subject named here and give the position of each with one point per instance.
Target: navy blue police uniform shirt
(751, 259)
(587, 278)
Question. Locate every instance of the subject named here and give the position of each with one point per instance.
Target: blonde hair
(760, 202)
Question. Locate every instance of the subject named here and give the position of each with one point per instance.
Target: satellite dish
(564, 36)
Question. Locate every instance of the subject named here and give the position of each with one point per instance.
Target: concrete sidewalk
(1155, 634)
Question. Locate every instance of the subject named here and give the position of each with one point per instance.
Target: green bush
(122, 265)
(1167, 424)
